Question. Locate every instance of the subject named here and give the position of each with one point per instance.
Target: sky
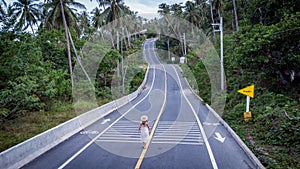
(145, 8)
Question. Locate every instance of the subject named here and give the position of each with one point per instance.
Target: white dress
(144, 133)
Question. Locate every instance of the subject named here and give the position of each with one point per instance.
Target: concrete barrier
(21, 154)
(248, 152)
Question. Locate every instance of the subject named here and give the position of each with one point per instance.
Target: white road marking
(89, 132)
(177, 133)
(140, 160)
(182, 143)
(210, 153)
(93, 140)
(119, 141)
(211, 124)
(127, 133)
(106, 120)
(219, 137)
(119, 138)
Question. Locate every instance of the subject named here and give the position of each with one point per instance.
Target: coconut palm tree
(3, 6)
(164, 9)
(84, 21)
(28, 13)
(9, 21)
(192, 13)
(97, 19)
(235, 16)
(176, 9)
(115, 10)
(103, 3)
(60, 14)
(55, 15)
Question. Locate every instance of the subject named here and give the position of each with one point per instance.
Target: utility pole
(168, 42)
(221, 46)
(184, 44)
(123, 72)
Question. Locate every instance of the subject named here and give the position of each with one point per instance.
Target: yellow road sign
(247, 115)
(248, 91)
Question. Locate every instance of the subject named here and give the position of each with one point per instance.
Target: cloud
(144, 10)
(149, 8)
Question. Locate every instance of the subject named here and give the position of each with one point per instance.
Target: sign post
(249, 92)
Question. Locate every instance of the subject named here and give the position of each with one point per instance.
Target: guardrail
(21, 154)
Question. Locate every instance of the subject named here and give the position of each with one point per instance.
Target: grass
(17, 130)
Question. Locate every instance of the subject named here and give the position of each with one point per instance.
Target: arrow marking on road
(106, 120)
(211, 124)
(219, 137)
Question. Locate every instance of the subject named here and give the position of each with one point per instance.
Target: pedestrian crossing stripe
(167, 132)
(173, 132)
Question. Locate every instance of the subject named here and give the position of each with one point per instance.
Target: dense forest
(41, 46)
(41, 42)
(261, 47)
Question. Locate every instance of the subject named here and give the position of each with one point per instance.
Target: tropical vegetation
(261, 47)
(42, 42)
(40, 45)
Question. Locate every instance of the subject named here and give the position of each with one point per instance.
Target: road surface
(184, 133)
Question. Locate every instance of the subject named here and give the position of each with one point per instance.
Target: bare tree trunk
(232, 22)
(112, 40)
(118, 68)
(212, 17)
(78, 59)
(124, 35)
(67, 39)
(236, 17)
(32, 29)
(118, 40)
(128, 37)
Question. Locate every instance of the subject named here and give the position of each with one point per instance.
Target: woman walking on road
(144, 130)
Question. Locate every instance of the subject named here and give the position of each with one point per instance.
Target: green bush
(31, 81)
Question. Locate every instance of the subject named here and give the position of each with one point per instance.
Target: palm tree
(235, 15)
(9, 20)
(97, 19)
(84, 21)
(2, 10)
(115, 10)
(55, 14)
(60, 13)
(176, 9)
(28, 13)
(164, 9)
(3, 1)
(192, 13)
(103, 3)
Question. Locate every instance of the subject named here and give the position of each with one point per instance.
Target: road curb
(248, 152)
(22, 153)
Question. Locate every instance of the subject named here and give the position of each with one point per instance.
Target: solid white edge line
(93, 140)
(211, 155)
(248, 152)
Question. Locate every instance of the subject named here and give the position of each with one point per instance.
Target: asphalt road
(184, 134)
